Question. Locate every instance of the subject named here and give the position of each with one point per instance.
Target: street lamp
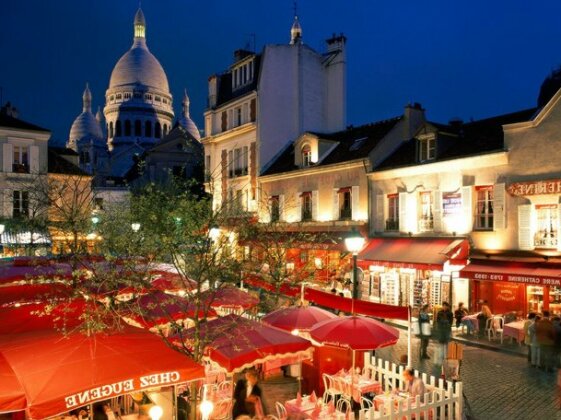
(354, 243)
(214, 232)
(95, 220)
(135, 227)
(206, 408)
(156, 412)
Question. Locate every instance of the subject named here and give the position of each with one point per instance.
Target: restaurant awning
(423, 253)
(512, 271)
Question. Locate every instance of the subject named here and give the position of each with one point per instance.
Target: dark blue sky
(467, 59)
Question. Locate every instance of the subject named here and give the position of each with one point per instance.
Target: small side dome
(85, 126)
(549, 87)
(185, 120)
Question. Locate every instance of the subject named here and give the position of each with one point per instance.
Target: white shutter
(499, 202)
(315, 205)
(8, 158)
(379, 221)
(403, 202)
(412, 204)
(525, 227)
(437, 211)
(281, 208)
(7, 206)
(298, 206)
(355, 213)
(335, 211)
(34, 159)
(467, 209)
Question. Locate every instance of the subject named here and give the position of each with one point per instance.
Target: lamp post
(354, 243)
(135, 227)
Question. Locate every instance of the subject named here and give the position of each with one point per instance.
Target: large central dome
(138, 65)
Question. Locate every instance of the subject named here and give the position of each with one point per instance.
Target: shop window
(426, 221)
(21, 159)
(20, 204)
(534, 298)
(484, 208)
(306, 201)
(306, 155)
(426, 148)
(392, 222)
(555, 300)
(546, 230)
(275, 208)
(345, 204)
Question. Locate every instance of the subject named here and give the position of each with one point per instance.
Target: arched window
(306, 155)
(148, 129)
(118, 132)
(111, 130)
(158, 130)
(165, 129)
(127, 128)
(138, 128)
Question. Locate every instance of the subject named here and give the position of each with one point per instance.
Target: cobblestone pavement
(497, 385)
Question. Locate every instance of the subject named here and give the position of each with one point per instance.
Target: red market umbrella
(230, 297)
(355, 332)
(301, 318)
(12, 394)
(25, 293)
(60, 373)
(236, 343)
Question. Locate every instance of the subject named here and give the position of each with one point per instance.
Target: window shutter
(499, 206)
(298, 217)
(34, 159)
(281, 208)
(315, 204)
(8, 151)
(379, 222)
(403, 203)
(467, 208)
(525, 227)
(355, 203)
(7, 206)
(412, 204)
(335, 204)
(437, 211)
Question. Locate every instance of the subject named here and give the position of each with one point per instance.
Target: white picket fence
(443, 399)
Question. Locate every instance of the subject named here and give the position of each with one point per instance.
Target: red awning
(515, 272)
(423, 253)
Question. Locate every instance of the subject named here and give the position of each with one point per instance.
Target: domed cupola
(138, 103)
(185, 120)
(296, 32)
(85, 127)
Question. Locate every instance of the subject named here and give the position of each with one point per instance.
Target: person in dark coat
(246, 395)
(444, 319)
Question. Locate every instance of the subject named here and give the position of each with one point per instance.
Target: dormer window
(306, 155)
(242, 74)
(426, 148)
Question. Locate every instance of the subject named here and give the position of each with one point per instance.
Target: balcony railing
(392, 224)
(306, 215)
(345, 214)
(426, 224)
(20, 168)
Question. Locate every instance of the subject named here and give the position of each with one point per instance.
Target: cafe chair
(343, 406)
(330, 389)
(489, 327)
(281, 411)
(222, 410)
(225, 387)
(365, 403)
(498, 326)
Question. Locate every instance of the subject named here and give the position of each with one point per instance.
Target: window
(137, 95)
(427, 148)
(426, 219)
(148, 129)
(245, 160)
(21, 160)
(118, 96)
(158, 130)
(392, 222)
(306, 155)
(20, 204)
(111, 129)
(546, 230)
(148, 97)
(306, 198)
(238, 116)
(345, 203)
(230, 164)
(165, 129)
(207, 168)
(127, 95)
(484, 208)
(158, 99)
(237, 161)
(127, 128)
(138, 128)
(275, 208)
(84, 157)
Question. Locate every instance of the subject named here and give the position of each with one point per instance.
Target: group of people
(441, 330)
(543, 339)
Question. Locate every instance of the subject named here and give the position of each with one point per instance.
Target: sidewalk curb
(470, 343)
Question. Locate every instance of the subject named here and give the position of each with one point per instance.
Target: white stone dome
(85, 126)
(185, 119)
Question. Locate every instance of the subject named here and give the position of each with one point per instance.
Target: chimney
(9, 110)
(212, 90)
(414, 116)
(241, 54)
(336, 43)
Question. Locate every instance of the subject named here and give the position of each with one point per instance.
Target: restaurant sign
(517, 278)
(122, 387)
(551, 186)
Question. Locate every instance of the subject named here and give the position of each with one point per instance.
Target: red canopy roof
(230, 296)
(297, 317)
(428, 253)
(513, 271)
(12, 394)
(15, 273)
(236, 343)
(33, 292)
(60, 373)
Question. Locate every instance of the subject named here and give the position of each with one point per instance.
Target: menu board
(451, 203)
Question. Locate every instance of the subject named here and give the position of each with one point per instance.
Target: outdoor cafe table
(384, 401)
(471, 322)
(360, 386)
(305, 409)
(515, 330)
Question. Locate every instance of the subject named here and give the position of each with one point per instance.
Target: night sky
(469, 59)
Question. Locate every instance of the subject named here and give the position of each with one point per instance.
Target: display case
(555, 300)
(389, 283)
(534, 297)
(435, 292)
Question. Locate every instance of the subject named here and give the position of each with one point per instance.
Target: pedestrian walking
(424, 331)
(535, 348)
(544, 336)
(527, 338)
(443, 332)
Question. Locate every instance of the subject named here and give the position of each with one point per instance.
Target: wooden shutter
(281, 208)
(252, 110)
(403, 203)
(379, 221)
(437, 211)
(298, 206)
(336, 204)
(525, 240)
(34, 159)
(467, 208)
(8, 158)
(355, 213)
(315, 204)
(224, 121)
(499, 203)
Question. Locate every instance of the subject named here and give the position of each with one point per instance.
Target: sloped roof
(351, 144)
(11, 122)
(59, 165)
(225, 92)
(462, 140)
